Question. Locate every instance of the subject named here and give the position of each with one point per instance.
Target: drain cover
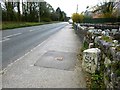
(57, 60)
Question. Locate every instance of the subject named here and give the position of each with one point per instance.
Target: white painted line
(31, 30)
(4, 70)
(6, 39)
(12, 35)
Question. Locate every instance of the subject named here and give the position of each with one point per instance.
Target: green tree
(61, 15)
(9, 10)
(18, 7)
(45, 11)
(31, 12)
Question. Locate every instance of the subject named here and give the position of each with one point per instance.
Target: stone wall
(108, 41)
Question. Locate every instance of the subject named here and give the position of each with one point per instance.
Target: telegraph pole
(76, 13)
(77, 9)
(39, 12)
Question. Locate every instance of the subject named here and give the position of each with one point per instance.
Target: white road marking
(12, 35)
(6, 39)
(4, 70)
(31, 30)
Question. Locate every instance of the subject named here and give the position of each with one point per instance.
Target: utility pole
(39, 12)
(76, 13)
(40, 1)
(77, 9)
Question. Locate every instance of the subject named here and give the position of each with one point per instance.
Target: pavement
(35, 69)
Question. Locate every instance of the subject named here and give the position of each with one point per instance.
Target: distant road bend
(17, 42)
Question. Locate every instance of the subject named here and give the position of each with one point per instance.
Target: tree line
(31, 12)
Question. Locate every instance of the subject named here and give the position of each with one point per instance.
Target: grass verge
(12, 25)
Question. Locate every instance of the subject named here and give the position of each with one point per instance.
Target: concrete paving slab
(58, 60)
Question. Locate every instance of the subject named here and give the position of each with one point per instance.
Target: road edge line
(4, 70)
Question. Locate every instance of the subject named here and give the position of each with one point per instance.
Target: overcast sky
(69, 6)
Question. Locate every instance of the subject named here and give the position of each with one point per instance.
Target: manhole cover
(58, 60)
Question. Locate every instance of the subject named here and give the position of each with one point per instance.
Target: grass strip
(12, 25)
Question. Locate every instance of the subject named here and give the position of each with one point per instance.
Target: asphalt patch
(57, 60)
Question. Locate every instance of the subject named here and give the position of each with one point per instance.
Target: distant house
(89, 13)
(97, 15)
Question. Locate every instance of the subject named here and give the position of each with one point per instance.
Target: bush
(46, 20)
(97, 81)
(76, 17)
(106, 38)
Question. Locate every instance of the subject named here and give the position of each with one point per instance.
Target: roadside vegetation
(11, 25)
(25, 13)
(76, 17)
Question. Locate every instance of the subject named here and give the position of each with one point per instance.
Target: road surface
(43, 68)
(17, 42)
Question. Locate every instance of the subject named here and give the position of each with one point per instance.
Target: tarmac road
(17, 42)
